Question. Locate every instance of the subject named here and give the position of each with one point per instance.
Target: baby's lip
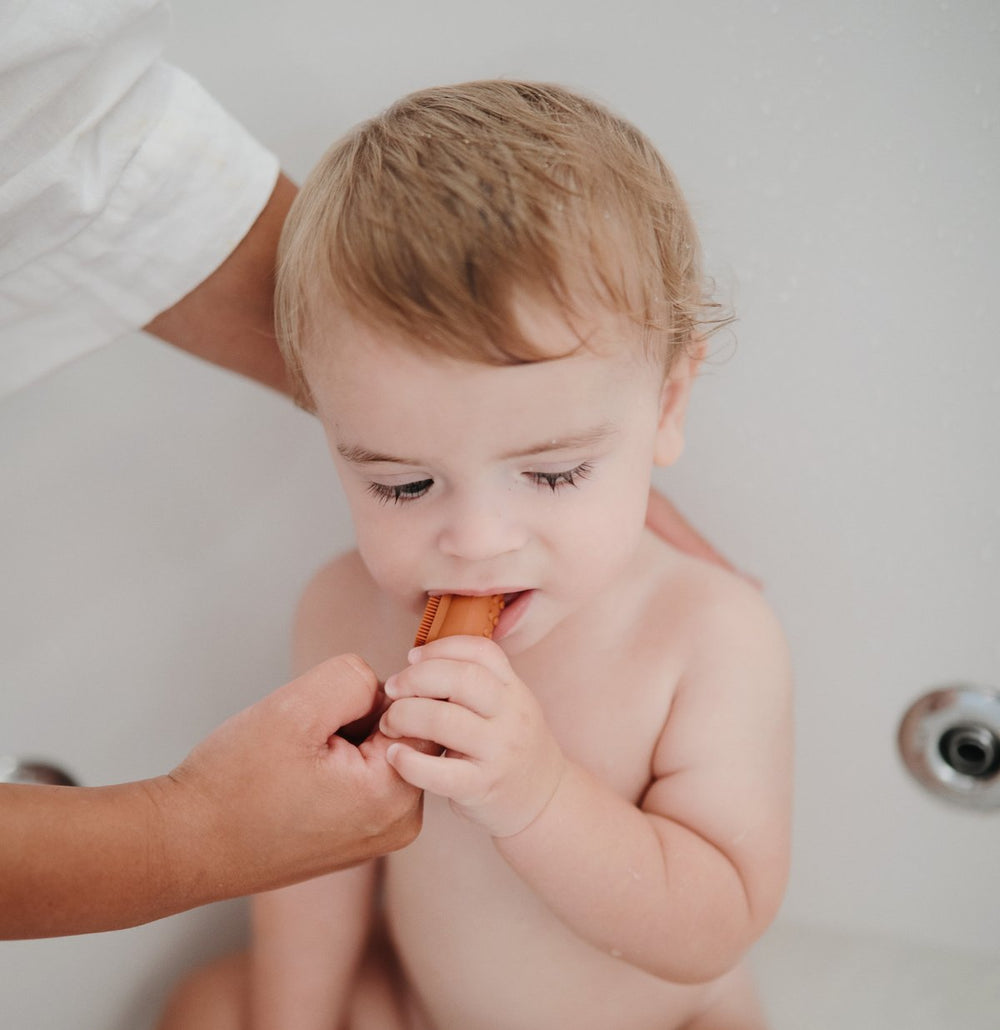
(508, 594)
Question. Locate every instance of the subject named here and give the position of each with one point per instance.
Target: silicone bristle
(430, 610)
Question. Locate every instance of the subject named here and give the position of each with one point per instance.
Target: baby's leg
(380, 1001)
(213, 997)
(737, 1006)
(216, 996)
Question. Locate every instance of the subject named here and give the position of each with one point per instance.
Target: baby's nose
(480, 534)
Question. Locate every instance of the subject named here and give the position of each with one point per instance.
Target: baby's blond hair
(429, 218)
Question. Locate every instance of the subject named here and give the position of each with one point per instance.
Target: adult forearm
(83, 859)
(229, 318)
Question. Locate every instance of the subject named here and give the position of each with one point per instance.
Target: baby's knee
(211, 997)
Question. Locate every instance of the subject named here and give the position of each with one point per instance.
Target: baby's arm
(682, 884)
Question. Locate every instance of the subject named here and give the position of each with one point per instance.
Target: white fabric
(123, 184)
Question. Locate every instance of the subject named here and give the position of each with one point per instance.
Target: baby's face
(526, 480)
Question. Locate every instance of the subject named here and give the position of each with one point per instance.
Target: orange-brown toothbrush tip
(452, 615)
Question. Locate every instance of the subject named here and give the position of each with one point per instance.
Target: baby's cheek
(604, 545)
(390, 560)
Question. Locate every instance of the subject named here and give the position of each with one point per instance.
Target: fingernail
(414, 655)
(389, 687)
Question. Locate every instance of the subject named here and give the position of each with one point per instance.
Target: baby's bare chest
(481, 951)
(607, 716)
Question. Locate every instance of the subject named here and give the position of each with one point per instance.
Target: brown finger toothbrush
(450, 615)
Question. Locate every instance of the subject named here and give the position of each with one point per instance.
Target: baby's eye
(401, 492)
(556, 480)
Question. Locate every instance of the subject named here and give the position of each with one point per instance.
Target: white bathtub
(810, 978)
(158, 520)
(817, 978)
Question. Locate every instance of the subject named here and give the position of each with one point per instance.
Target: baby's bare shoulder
(336, 587)
(731, 655)
(343, 573)
(340, 610)
(714, 634)
(705, 607)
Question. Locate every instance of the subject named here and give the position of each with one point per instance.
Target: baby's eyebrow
(362, 456)
(358, 455)
(577, 441)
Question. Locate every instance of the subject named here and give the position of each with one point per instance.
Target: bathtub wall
(842, 160)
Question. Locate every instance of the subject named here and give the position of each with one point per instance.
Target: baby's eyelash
(556, 480)
(401, 493)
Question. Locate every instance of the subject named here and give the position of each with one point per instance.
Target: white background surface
(158, 517)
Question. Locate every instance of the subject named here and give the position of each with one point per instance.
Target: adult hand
(667, 522)
(273, 796)
(277, 795)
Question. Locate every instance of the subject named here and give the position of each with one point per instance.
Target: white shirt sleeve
(123, 184)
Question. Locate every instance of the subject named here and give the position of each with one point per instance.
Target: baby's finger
(451, 726)
(464, 683)
(479, 650)
(453, 778)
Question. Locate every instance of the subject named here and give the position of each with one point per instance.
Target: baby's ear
(673, 406)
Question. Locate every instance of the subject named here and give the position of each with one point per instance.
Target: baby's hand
(501, 764)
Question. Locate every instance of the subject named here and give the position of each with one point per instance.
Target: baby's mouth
(516, 605)
(507, 598)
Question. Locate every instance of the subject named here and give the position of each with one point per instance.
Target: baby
(491, 297)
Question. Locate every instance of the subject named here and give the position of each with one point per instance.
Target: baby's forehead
(541, 328)
(388, 397)
(390, 406)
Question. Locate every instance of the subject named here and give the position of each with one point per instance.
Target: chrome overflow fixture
(28, 770)
(950, 742)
